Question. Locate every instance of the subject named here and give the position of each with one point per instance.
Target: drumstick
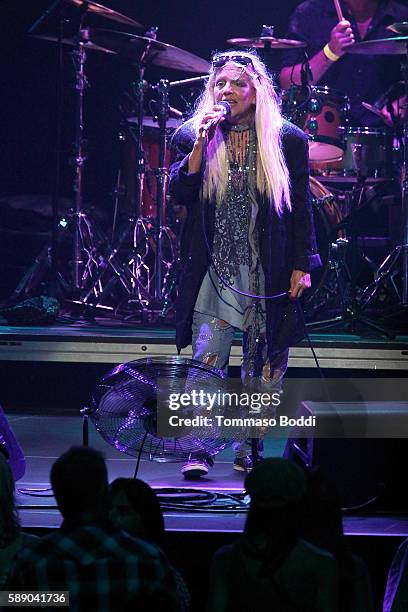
(338, 10)
(373, 109)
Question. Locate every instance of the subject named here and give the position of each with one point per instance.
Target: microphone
(226, 110)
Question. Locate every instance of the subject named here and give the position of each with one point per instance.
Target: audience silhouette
(323, 526)
(272, 562)
(101, 566)
(136, 510)
(11, 536)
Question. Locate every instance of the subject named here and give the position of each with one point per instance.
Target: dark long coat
(286, 242)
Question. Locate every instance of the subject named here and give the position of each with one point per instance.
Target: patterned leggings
(212, 341)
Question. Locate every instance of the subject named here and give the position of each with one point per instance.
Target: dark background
(28, 85)
(29, 73)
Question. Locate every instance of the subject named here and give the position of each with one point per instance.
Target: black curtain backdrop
(29, 75)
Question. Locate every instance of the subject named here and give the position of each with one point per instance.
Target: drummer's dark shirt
(361, 77)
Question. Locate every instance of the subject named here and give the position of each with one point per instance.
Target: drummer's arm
(291, 75)
(341, 37)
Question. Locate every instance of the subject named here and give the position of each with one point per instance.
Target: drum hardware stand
(388, 269)
(266, 53)
(161, 296)
(345, 275)
(161, 178)
(83, 233)
(126, 274)
(294, 107)
(132, 273)
(84, 246)
(385, 275)
(338, 264)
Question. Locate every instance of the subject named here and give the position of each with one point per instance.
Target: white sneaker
(195, 468)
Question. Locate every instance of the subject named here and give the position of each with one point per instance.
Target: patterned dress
(236, 264)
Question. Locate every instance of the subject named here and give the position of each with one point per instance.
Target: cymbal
(399, 28)
(73, 42)
(104, 11)
(148, 50)
(381, 46)
(260, 42)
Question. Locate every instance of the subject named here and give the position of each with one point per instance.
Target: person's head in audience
(322, 520)
(79, 479)
(276, 487)
(9, 521)
(136, 509)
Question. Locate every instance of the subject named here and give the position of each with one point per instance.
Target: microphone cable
(275, 296)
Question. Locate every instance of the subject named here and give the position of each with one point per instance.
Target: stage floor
(47, 369)
(103, 342)
(44, 437)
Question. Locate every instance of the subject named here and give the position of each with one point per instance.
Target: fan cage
(124, 408)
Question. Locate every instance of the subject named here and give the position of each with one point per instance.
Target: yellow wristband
(329, 53)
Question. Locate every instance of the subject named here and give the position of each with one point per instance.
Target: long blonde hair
(272, 175)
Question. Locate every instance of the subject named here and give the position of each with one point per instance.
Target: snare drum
(369, 152)
(320, 114)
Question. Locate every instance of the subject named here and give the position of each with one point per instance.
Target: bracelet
(329, 53)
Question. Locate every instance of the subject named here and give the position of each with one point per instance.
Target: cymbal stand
(161, 178)
(388, 269)
(85, 248)
(266, 52)
(84, 236)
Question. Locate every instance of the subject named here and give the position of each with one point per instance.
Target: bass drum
(327, 215)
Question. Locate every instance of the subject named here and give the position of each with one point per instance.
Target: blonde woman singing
(242, 172)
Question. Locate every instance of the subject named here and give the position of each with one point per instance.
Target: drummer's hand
(299, 281)
(398, 107)
(341, 37)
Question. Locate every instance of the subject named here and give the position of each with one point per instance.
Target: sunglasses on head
(243, 60)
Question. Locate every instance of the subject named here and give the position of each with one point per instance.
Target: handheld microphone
(226, 110)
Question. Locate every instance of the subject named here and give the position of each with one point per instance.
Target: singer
(242, 173)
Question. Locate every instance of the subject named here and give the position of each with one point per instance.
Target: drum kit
(141, 263)
(361, 161)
